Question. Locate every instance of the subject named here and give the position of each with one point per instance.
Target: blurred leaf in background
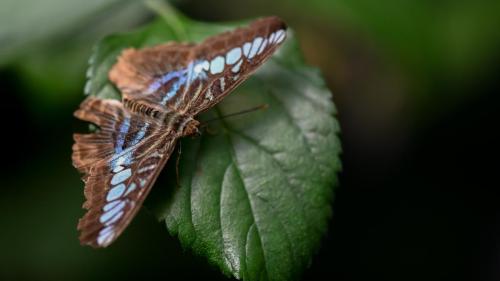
(48, 43)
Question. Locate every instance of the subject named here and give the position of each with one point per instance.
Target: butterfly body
(163, 89)
(180, 124)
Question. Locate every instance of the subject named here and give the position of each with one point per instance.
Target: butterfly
(163, 89)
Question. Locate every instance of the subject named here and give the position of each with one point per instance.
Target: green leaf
(254, 191)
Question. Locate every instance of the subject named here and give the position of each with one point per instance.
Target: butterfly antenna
(260, 107)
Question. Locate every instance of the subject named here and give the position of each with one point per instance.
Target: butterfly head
(191, 128)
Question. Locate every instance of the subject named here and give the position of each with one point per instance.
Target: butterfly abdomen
(141, 108)
(170, 119)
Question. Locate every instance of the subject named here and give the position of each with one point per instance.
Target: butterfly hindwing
(120, 163)
(118, 129)
(116, 190)
(91, 148)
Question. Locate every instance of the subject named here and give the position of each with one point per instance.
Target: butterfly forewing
(198, 76)
(232, 57)
(163, 88)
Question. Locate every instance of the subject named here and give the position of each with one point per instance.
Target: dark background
(416, 87)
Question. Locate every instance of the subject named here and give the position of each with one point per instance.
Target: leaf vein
(238, 173)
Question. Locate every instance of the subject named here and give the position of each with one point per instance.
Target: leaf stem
(173, 17)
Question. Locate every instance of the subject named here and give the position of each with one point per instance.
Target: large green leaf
(254, 191)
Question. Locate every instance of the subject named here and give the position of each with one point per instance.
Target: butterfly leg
(177, 165)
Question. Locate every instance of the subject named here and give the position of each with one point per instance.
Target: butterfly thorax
(182, 124)
(190, 127)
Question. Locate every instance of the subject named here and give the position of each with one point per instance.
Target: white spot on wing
(236, 68)
(121, 160)
(209, 94)
(255, 47)
(222, 83)
(233, 55)
(115, 218)
(262, 47)
(110, 205)
(106, 230)
(131, 188)
(205, 65)
(271, 37)
(246, 48)
(280, 35)
(105, 239)
(147, 168)
(155, 154)
(117, 169)
(217, 65)
(121, 176)
(111, 213)
(115, 192)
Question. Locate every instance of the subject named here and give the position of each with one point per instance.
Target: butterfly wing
(232, 57)
(192, 78)
(120, 164)
(146, 75)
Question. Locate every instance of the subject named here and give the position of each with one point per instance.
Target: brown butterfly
(163, 88)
